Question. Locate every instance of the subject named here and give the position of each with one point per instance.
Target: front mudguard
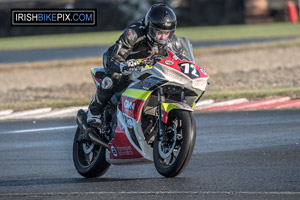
(166, 108)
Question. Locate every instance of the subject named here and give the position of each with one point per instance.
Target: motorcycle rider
(153, 34)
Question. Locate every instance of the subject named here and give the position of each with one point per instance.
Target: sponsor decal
(168, 24)
(132, 107)
(144, 85)
(129, 105)
(172, 74)
(113, 150)
(125, 151)
(168, 62)
(148, 84)
(203, 71)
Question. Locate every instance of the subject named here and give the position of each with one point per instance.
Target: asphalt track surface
(85, 52)
(238, 155)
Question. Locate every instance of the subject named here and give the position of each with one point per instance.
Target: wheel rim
(88, 152)
(166, 146)
(169, 148)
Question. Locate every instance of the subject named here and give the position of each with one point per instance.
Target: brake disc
(165, 150)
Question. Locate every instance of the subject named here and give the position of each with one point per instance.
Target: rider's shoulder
(138, 27)
(134, 32)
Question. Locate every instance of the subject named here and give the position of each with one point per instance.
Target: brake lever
(151, 60)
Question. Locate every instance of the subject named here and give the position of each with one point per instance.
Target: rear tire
(172, 154)
(89, 158)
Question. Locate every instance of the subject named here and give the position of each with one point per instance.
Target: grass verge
(246, 47)
(201, 33)
(93, 61)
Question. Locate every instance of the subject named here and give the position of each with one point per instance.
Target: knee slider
(107, 83)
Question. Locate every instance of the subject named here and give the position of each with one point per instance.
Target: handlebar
(150, 61)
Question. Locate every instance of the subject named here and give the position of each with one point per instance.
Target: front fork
(161, 100)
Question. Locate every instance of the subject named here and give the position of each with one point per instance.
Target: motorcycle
(150, 121)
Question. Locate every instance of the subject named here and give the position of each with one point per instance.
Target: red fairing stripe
(124, 149)
(164, 116)
(132, 107)
(97, 79)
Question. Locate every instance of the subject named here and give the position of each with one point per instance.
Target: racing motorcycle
(150, 121)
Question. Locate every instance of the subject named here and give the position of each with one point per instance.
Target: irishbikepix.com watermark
(53, 17)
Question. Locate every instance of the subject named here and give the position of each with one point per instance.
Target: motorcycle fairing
(121, 147)
(166, 108)
(97, 74)
(188, 68)
(132, 101)
(132, 106)
(148, 84)
(135, 96)
(131, 148)
(175, 68)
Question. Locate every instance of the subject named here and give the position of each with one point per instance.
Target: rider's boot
(96, 107)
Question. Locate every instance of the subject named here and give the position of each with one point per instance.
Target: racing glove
(132, 63)
(128, 66)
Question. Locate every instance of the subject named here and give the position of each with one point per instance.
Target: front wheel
(172, 152)
(89, 158)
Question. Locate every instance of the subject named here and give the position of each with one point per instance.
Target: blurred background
(117, 14)
(250, 49)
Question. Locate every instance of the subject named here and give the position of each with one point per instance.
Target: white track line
(5, 112)
(204, 103)
(26, 113)
(230, 102)
(71, 111)
(41, 113)
(38, 130)
(222, 103)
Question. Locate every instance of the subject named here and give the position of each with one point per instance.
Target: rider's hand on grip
(150, 61)
(129, 66)
(132, 63)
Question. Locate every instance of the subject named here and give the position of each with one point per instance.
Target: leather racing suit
(134, 43)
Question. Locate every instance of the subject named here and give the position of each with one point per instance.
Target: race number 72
(190, 70)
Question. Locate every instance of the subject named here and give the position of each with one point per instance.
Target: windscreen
(187, 50)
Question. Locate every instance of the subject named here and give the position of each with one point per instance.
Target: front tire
(172, 153)
(89, 158)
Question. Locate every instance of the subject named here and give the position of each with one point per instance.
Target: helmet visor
(159, 35)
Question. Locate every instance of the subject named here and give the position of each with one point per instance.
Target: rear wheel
(89, 158)
(172, 152)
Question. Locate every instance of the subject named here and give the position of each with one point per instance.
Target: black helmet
(160, 19)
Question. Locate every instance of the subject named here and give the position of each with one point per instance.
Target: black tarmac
(238, 155)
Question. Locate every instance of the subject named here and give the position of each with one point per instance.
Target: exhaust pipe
(95, 139)
(87, 130)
